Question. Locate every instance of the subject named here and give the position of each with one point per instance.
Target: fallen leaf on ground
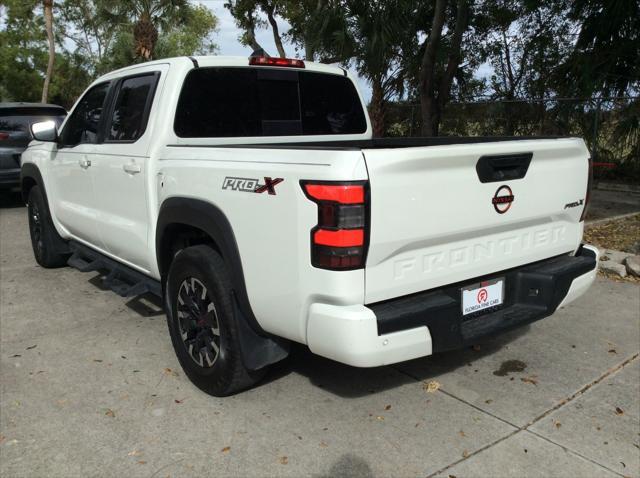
(379, 418)
(530, 380)
(284, 460)
(110, 413)
(431, 386)
(134, 453)
(388, 407)
(226, 449)
(619, 411)
(612, 351)
(323, 445)
(142, 462)
(16, 355)
(32, 347)
(97, 360)
(557, 424)
(168, 371)
(465, 454)
(179, 401)
(488, 401)
(461, 433)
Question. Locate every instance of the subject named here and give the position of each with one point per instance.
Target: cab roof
(210, 61)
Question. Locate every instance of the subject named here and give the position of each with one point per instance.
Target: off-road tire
(199, 268)
(45, 240)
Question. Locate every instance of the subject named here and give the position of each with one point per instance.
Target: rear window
(240, 102)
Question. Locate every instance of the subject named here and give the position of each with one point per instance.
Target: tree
(48, 17)
(434, 94)
(524, 44)
(378, 31)
(91, 27)
(23, 57)
(319, 28)
(246, 17)
(606, 56)
(90, 38)
(105, 32)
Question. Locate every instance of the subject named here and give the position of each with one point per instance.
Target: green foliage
(92, 37)
(23, 56)
(606, 56)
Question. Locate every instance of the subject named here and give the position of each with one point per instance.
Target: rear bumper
(428, 322)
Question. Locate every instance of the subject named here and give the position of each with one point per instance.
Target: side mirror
(45, 131)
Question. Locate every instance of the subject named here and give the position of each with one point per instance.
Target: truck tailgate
(434, 219)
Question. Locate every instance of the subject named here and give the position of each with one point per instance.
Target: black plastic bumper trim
(532, 292)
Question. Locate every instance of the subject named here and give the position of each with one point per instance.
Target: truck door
(121, 170)
(71, 168)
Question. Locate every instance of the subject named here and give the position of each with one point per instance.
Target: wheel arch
(180, 214)
(29, 177)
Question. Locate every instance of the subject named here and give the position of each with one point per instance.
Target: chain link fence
(610, 126)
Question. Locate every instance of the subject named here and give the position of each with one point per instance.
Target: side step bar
(121, 279)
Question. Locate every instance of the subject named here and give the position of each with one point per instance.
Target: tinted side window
(130, 113)
(237, 102)
(82, 126)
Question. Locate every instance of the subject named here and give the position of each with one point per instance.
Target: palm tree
(150, 15)
(380, 38)
(48, 20)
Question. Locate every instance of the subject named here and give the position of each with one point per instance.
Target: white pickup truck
(250, 195)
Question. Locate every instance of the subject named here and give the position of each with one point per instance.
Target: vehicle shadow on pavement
(10, 200)
(352, 382)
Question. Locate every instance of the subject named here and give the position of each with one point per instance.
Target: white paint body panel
(432, 221)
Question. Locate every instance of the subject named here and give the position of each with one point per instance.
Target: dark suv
(15, 134)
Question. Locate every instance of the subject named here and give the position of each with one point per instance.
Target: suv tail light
(587, 197)
(275, 61)
(339, 241)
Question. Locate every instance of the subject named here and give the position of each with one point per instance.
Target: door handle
(84, 163)
(131, 168)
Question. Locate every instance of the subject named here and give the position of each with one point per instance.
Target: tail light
(339, 241)
(587, 197)
(4, 136)
(275, 61)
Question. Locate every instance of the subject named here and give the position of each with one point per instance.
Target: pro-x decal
(502, 199)
(577, 203)
(250, 185)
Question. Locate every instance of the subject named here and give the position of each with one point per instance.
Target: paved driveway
(91, 387)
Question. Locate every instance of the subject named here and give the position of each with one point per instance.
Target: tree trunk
(378, 109)
(48, 19)
(145, 36)
(309, 51)
(268, 8)
(455, 54)
(428, 102)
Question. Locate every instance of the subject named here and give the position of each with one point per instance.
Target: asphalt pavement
(90, 386)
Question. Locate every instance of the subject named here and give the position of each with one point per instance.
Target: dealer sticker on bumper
(482, 296)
